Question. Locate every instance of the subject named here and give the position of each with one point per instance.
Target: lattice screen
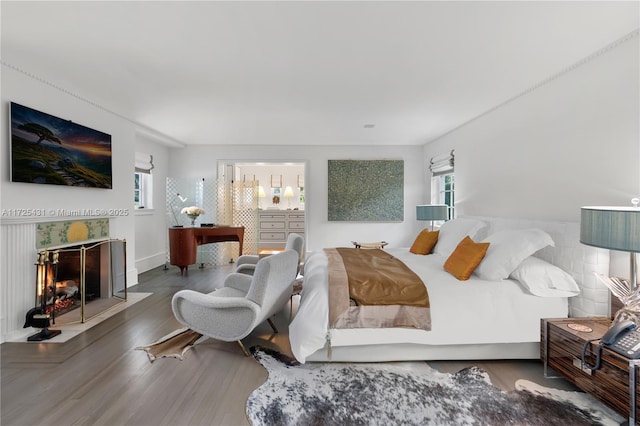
(238, 206)
(245, 212)
(182, 193)
(210, 254)
(186, 192)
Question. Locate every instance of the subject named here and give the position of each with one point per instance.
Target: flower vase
(193, 218)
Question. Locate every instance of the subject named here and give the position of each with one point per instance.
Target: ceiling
(304, 73)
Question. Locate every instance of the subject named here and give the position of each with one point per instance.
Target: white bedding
(473, 312)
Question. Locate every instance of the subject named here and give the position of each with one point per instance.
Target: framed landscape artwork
(366, 190)
(49, 150)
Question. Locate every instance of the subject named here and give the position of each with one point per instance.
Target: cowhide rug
(174, 344)
(407, 394)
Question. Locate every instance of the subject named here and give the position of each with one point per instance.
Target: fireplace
(80, 282)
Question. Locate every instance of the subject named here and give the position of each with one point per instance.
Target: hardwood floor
(97, 378)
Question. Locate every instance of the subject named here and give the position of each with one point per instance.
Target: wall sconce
(288, 194)
(38, 317)
(432, 212)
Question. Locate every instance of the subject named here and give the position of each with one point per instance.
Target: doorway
(280, 197)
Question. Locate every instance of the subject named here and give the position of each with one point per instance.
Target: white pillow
(544, 279)
(454, 231)
(507, 249)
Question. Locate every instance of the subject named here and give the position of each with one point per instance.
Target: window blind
(442, 164)
(144, 162)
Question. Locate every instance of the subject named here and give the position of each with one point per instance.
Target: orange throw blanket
(372, 289)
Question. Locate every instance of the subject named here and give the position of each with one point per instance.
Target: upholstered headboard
(569, 254)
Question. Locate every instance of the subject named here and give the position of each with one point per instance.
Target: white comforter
(462, 312)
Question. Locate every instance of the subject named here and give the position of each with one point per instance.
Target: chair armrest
(247, 259)
(238, 281)
(246, 268)
(223, 318)
(213, 302)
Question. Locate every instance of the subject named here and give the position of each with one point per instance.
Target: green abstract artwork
(366, 190)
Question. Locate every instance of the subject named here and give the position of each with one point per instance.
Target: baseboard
(149, 262)
(132, 277)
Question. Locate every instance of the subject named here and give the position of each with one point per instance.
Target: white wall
(200, 161)
(151, 223)
(16, 87)
(569, 143)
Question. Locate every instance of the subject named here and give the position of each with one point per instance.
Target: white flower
(192, 211)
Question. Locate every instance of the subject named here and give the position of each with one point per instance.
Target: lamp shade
(431, 212)
(288, 192)
(614, 228)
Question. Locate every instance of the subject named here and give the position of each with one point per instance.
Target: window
(143, 181)
(143, 190)
(446, 193)
(138, 191)
(443, 182)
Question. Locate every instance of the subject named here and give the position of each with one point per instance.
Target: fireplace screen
(82, 281)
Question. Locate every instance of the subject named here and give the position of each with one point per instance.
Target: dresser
(275, 226)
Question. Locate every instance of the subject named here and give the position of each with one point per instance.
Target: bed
(479, 318)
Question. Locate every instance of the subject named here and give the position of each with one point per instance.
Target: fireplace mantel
(18, 219)
(19, 244)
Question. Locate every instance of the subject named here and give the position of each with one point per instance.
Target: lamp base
(629, 296)
(627, 314)
(44, 334)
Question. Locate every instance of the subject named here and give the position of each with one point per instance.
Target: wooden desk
(184, 242)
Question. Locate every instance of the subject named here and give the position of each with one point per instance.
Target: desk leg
(183, 268)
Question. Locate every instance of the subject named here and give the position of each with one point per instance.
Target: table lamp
(261, 195)
(171, 207)
(431, 212)
(616, 228)
(288, 194)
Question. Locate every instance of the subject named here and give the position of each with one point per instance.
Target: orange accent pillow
(425, 242)
(465, 258)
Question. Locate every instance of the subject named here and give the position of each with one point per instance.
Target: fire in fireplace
(62, 296)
